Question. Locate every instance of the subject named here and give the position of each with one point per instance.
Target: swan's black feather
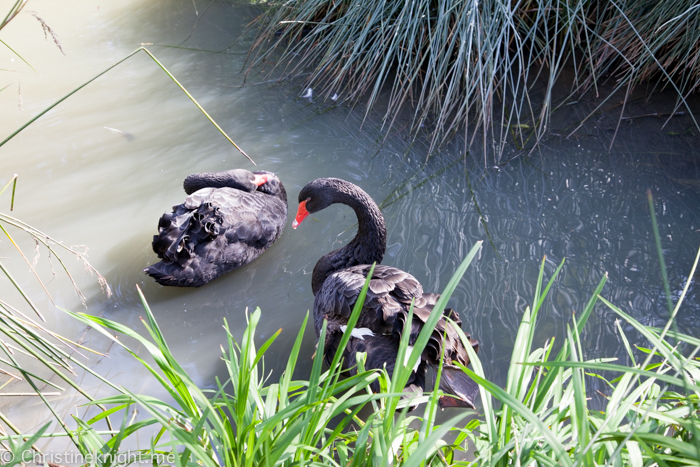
(338, 278)
(216, 230)
(386, 306)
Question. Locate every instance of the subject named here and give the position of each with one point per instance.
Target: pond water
(82, 182)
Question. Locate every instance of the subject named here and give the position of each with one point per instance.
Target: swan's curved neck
(230, 178)
(369, 243)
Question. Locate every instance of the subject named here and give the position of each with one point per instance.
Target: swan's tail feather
(455, 382)
(172, 274)
(180, 231)
(171, 242)
(162, 277)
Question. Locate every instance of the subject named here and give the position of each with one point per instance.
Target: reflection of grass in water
(481, 216)
(395, 196)
(388, 201)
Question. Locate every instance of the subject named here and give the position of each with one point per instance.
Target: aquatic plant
(484, 68)
(650, 412)
(34, 355)
(246, 422)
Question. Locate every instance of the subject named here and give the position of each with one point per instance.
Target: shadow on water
(570, 198)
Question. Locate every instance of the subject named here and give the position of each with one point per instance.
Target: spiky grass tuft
(479, 67)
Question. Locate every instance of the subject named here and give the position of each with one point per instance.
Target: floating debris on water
(129, 137)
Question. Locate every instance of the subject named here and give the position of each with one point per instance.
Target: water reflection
(84, 183)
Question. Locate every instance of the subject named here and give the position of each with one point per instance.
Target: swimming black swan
(338, 278)
(228, 220)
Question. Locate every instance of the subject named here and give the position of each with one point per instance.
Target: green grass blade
(352, 321)
(563, 353)
(662, 263)
(618, 368)
(437, 311)
(21, 292)
(43, 112)
(526, 413)
(18, 55)
(13, 182)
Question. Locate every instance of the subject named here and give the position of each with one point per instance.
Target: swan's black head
(368, 245)
(322, 192)
(318, 195)
(272, 185)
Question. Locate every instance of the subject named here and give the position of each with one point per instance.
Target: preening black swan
(228, 220)
(338, 278)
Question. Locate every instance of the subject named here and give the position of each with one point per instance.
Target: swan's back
(213, 232)
(389, 297)
(382, 322)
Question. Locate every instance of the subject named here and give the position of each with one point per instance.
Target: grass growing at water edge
(650, 418)
(485, 68)
(651, 414)
(287, 422)
(27, 339)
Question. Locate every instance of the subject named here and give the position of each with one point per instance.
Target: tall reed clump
(483, 67)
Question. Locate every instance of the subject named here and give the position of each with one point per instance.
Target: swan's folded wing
(390, 291)
(455, 382)
(445, 330)
(337, 297)
(255, 219)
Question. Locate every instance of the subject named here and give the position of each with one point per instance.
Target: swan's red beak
(259, 179)
(301, 214)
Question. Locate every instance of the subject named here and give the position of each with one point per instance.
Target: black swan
(228, 220)
(338, 278)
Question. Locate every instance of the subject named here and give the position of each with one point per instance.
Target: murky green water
(82, 183)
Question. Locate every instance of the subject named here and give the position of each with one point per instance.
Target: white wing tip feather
(409, 351)
(359, 333)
